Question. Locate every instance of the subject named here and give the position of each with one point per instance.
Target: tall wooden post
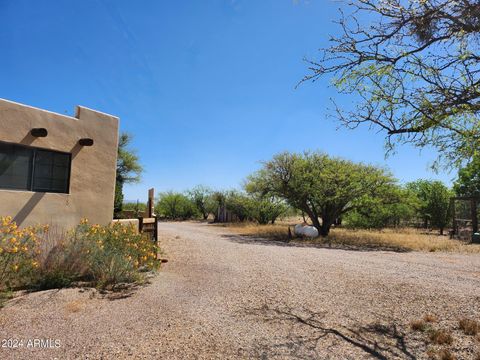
(150, 203)
(474, 216)
(454, 218)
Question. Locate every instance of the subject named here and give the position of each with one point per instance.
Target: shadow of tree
(255, 240)
(309, 337)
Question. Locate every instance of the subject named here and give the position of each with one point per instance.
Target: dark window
(26, 168)
(15, 166)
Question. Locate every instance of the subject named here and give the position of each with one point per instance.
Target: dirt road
(225, 296)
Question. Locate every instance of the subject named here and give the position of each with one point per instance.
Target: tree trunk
(327, 222)
(325, 228)
(316, 223)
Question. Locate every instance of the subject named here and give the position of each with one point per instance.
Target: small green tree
(239, 204)
(202, 197)
(421, 189)
(434, 198)
(129, 170)
(217, 200)
(321, 186)
(468, 182)
(439, 205)
(266, 209)
(175, 206)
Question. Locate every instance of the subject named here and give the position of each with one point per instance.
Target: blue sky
(207, 88)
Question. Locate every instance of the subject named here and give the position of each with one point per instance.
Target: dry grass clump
(401, 239)
(430, 318)
(423, 324)
(469, 326)
(440, 337)
(418, 325)
(405, 239)
(442, 354)
(74, 306)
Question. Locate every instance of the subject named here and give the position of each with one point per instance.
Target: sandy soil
(226, 296)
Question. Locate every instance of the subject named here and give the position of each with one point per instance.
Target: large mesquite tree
(413, 67)
(321, 186)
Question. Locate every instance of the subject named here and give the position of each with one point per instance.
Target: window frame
(31, 169)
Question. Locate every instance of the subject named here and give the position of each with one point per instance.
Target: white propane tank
(298, 229)
(310, 231)
(306, 230)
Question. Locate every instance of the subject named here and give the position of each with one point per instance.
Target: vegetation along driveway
(226, 296)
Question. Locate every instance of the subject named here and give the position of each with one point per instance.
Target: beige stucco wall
(92, 178)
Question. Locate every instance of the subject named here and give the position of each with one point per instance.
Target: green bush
(434, 198)
(395, 207)
(266, 210)
(114, 253)
(204, 200)
(176, 206)
(239, 204)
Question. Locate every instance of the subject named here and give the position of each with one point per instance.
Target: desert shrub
(18, 253)
(115, 253)
(102, 255)
(469, 326)
(61, 260)
(265, 210)
(175, 206)
(239, 204)
(394, 207)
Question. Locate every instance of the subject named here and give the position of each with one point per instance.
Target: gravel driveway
(225, 296)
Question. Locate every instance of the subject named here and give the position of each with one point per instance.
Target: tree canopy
(414, 68)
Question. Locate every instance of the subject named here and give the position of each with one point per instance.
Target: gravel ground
(225, 296)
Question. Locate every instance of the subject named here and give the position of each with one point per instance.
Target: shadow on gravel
(248, 239)
(308, 337)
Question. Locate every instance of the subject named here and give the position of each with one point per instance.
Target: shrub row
(201, 202)
(41, 258)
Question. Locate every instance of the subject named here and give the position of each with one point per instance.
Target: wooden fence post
(474, 216)
(150, 203)
(454, 222)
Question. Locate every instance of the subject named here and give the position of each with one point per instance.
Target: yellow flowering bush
(18, 252)
(37, 258)
(116, 253)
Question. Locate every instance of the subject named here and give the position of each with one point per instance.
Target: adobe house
(57, 169)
